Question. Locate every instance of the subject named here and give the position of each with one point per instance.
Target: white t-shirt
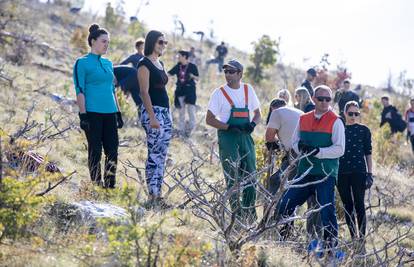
(284, 120)
(220, 107)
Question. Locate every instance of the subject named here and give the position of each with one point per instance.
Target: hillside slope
(36, 58)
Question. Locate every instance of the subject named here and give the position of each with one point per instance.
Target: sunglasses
(324, 98)
(162, 42)
(230, 71)
(351, 114)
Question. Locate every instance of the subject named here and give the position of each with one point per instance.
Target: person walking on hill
(136, 57)
(155, 114)
(391, 116)
(303, 100)
(409, 118)
(221, 53)
(310, 77)
(234, 110)
(345, 95)
(185, 93)
(320, 135)
(355, 172)
(99, 112)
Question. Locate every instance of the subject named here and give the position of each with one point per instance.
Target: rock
(87, 214)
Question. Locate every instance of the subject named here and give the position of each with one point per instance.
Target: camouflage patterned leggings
(157, 143)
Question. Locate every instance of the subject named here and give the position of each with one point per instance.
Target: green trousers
(238, 158)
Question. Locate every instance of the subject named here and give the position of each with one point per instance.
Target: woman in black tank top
(155, 114)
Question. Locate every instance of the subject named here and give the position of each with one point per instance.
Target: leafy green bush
(19, 206)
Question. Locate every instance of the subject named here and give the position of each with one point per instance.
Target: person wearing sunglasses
(355, 172)
(99, 113)
(234, 110)
(155, 114)
(185, 93)
(303, 100)
(409, 118)
(320, 138)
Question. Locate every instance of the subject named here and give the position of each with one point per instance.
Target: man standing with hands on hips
(234, 110)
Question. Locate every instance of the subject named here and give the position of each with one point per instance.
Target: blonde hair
(284, 94)
(303, 98)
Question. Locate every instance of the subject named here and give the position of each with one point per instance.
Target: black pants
(103, 132)
(351, 187)
(412, 142)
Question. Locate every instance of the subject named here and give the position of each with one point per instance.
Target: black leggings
(351, 187)
(103, 132)
(412, 142)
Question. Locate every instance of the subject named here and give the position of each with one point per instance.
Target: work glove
(369, 180)
(306, 149)
(84, 121)
(249, 128)
(272, 145)
(119, 121)
(235, 128)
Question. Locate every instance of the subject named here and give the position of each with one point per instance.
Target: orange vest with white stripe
(318, 133)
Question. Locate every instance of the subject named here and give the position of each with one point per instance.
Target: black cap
(235, 64)
(311, 72)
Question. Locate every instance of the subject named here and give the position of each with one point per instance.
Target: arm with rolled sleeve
(337, 149)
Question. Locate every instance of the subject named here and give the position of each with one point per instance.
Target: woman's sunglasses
(351, 114)
(162, 42)
(324, 98)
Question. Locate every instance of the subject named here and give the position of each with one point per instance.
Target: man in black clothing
(136, 57)
(310, 77)
(221, 53)
(345, 95)
(391, 116)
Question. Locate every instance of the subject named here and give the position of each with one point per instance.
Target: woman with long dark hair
(155, 113)
(99, 113)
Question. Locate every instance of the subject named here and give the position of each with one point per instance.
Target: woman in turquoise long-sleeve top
(99, 113)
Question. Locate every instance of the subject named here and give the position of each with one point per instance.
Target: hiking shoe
(340, 255)
(160, 202)
(315, 247)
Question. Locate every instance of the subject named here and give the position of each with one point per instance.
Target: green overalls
(238, 148)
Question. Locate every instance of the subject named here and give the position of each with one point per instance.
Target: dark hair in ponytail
(94, 32)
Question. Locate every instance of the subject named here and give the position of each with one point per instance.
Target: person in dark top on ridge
(221, 53)
(409, 118)
(185, 93)
(355, 172)
(391, 116)
(345, 95)
(310, 77)
(155, 114)
(136, 57)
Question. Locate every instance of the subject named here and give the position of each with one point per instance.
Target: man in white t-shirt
(280, 128)
(234, 111)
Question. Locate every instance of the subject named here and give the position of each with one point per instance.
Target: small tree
(264, 56)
